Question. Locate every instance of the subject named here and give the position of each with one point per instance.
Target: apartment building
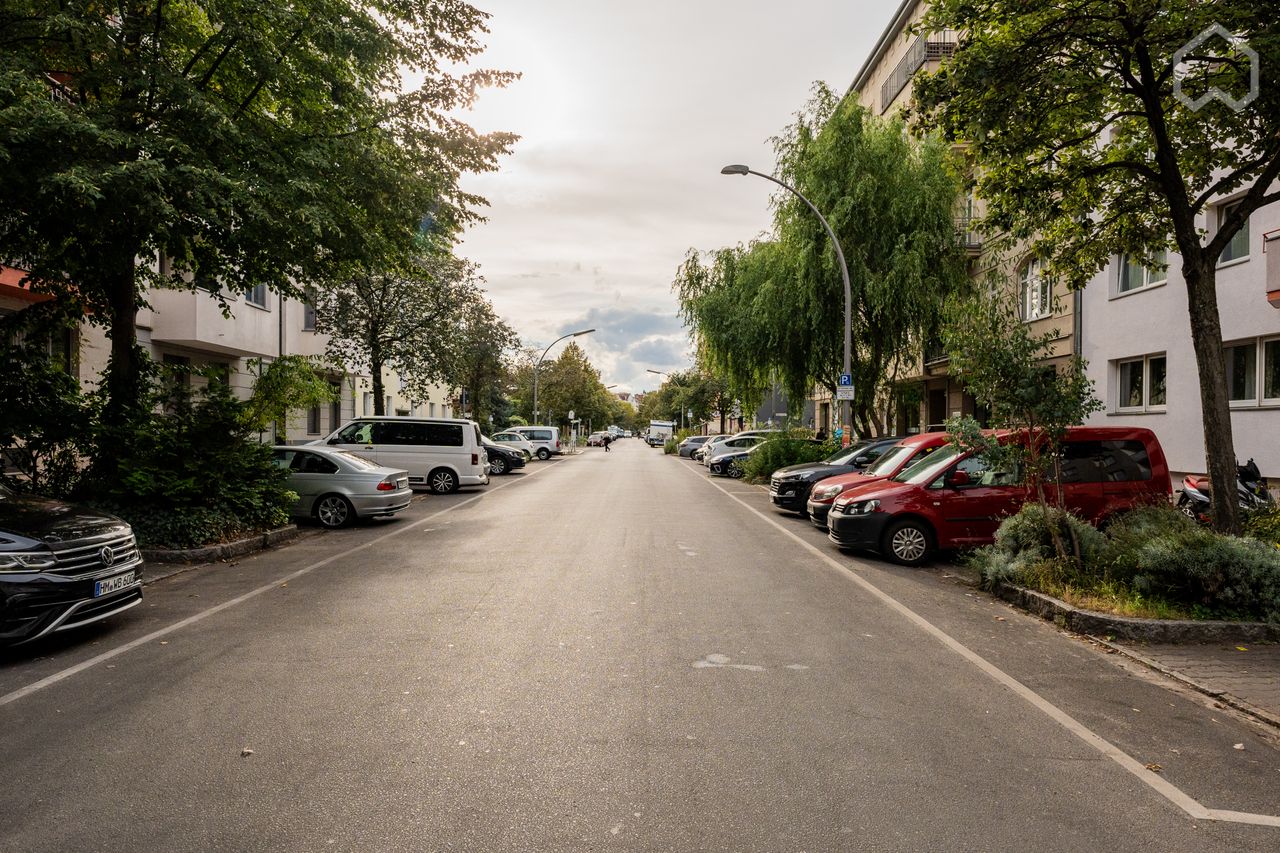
(1137, 341)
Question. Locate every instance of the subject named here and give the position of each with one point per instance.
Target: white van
(440, 454)
(545, 439)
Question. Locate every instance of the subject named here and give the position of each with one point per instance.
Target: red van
(891, 463)
(953, 498)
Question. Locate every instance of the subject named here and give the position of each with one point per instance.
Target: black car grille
(85, 556)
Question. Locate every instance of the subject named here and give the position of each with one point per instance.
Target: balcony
(934, 48)
(935, 353)
(967, 238)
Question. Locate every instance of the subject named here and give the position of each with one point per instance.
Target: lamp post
(844, 273)
(668, 376)
(538, 364)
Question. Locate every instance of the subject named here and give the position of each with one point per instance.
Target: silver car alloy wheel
(443, 482)
(909, 544)
(332, 511)
(497, 465)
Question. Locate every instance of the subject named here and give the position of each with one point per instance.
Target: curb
(1220, 695)
(1171, 631)
(223, 551)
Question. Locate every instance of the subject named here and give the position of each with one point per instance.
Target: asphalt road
(609, 651)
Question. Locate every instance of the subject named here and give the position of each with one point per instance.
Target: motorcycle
(1251, 492)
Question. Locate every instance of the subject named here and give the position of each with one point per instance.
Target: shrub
(779, 451)
(671, 446)
(1023, 551)
(1264, 525)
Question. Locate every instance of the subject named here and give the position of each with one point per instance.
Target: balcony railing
(966, 237)
(934, 48)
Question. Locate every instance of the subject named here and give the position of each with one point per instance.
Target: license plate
(115, 584)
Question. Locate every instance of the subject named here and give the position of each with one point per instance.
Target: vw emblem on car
(107, 555)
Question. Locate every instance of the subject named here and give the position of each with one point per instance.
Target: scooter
(1251, 492)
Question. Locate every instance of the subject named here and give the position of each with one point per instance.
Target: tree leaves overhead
(773, 308)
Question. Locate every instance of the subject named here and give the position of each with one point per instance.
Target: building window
(1242, 372)
(368, 403)
(308, 317)
(431, 410)
(1141, 384)
(335, 408)
(1239, 246)
(256, 296)
(1271, 371)
(1134, 275)
(313, 420)
(1036, 292)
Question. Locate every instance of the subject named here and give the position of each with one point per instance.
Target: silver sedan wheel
(333, 511)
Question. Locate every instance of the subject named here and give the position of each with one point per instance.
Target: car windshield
(357, 461)
(930, 466)
(889, 461)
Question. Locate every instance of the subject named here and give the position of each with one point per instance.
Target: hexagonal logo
(1237, 45)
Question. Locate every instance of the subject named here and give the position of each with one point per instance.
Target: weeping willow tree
(772, 309)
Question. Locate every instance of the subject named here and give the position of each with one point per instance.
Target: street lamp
(668, 375)
(847, 417)
(538, 364)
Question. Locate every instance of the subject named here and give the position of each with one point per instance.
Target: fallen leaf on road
(283, 585)
(1238, 746)
(1000, 619)
(1241, 649)
(164, 642)
(246, 752)
(1154, 768)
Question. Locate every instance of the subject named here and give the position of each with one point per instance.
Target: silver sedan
(335, 487)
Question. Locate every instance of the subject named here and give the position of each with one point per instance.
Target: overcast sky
(626, 112)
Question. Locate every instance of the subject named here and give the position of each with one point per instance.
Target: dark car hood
(52, 521)
(816, 470)
(503, 451)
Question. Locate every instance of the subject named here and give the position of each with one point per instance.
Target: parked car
(335, 487)
(686, 447)
(891, 462)
(789, 487)
(545, 440)
(62, 566)
(596, 439)
(503, 460)
(729, 445)
(729, 462)
(440, 454)
(699, 454)
(626, 433)
(515, 441)
(955, 498)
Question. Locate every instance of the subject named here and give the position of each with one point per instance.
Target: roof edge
(895, 27)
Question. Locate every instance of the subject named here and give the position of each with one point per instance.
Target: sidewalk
(1245, 676)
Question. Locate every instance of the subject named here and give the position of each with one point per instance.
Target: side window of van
(391, 432)
(1124, 461)
(1081, 462)
(443, 435)
(356, 433)
(540, 434)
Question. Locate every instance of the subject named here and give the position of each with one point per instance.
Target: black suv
(62, 566)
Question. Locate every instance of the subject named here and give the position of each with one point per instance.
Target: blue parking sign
(846, 379)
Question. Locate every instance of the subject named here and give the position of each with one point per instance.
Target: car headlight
(864, 507)
(826, 493)
(27, 562)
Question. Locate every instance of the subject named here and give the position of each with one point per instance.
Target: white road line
(1162, 786)
(64, 674)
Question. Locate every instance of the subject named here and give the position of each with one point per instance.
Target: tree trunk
(375, 368)
(124, 369)
(1215, 405)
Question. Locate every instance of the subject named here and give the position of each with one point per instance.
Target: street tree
(221, 146)
(569, 383)
(1091, 140)
(486, 343)
(412, 320)
(773, 308)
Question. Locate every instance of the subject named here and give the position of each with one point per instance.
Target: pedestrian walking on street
(608, 439)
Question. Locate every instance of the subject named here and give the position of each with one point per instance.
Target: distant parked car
(514, 440)
(699, 454)
(335, 487)
(596, 439)
(954, 498)
(893, 460)
(789, 487)
(729, 462)
(62, 566)
(730, 444)
(686, 447)
(503, 460)
(545, 440)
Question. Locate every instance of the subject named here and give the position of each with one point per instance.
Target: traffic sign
(571, 414)
(846, 379)
(844, 392)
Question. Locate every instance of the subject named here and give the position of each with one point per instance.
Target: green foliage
(569, 383)
(670, 446)
(1264, 525)
(44, 417)
(1154, 553)
(773, 308)
(779, 451)
(288, 382)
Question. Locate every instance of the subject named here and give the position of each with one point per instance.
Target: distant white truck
(660, 431)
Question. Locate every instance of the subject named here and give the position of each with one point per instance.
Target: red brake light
(475, 458)
(386, 486)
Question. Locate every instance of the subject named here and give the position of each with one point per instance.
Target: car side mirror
(959, 479)
(335, 440)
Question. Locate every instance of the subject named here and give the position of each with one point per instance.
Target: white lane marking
(1161, 786)
(191, 620)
